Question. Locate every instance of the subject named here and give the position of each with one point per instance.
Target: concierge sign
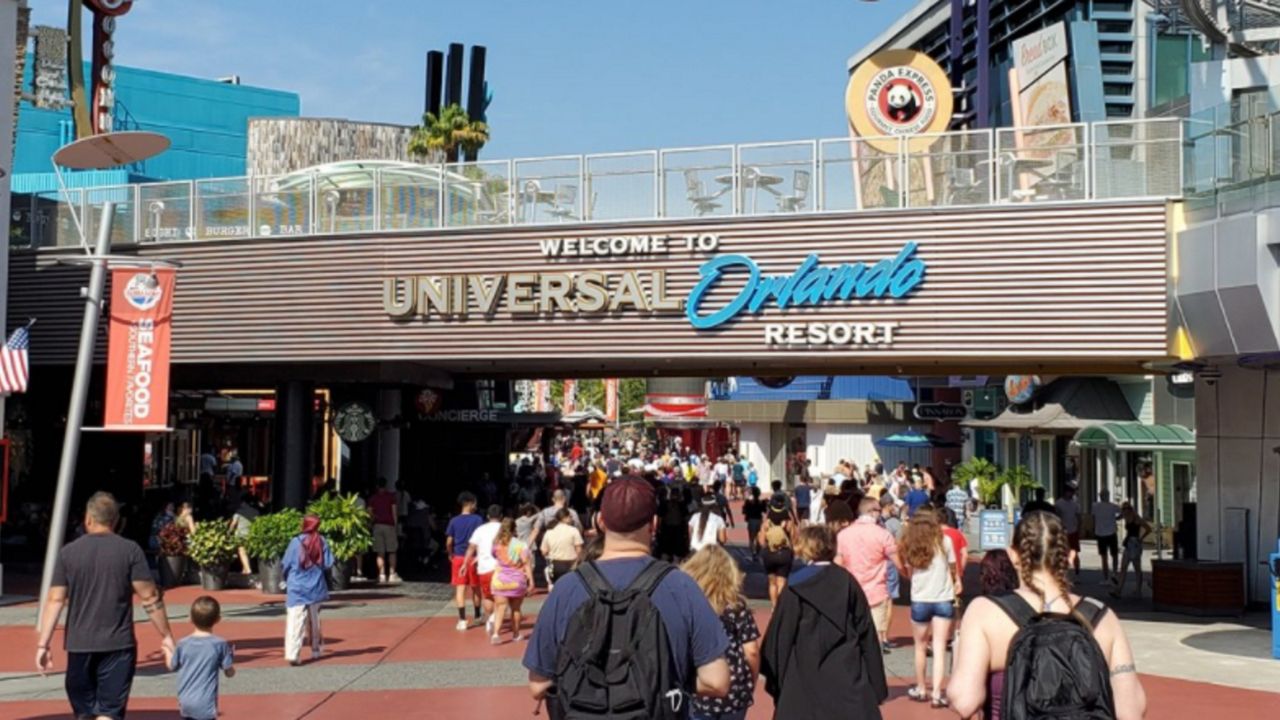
(138, 350)
(729, 287)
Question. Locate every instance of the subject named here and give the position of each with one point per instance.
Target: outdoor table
(754, 179)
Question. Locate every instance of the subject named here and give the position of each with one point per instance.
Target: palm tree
(447, 133)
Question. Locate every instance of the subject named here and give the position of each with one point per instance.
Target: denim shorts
(923, 612)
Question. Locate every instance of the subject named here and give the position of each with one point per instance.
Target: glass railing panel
(861, 174)
(1137, 158)
(53, 224)
(165, 211)
(282, 206)
(621, 186)
(548, 189)
(350, 205)
(222, 208)
(477, 193)
(410, 198)
(1042, 164)
(950, 169)
(777, 177)
(123, 214)
(698, 182)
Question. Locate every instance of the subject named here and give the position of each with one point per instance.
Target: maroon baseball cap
(629, 504)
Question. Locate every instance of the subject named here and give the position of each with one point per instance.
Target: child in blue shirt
(198, 659)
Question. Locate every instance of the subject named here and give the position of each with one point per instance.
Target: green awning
(1135, 436)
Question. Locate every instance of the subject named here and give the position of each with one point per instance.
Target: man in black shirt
(96, 577)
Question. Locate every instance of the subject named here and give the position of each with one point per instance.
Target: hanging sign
(138, 350)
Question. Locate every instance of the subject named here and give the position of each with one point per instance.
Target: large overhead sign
(898, 93)
(1055, 288)
(729, 286)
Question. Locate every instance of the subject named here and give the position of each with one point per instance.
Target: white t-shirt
(721, 471)
(483, 539)
(1069, 511)
(974, 492)
(715, 524)
(933, 584)
(1104, 518)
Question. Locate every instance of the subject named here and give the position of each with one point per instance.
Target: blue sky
(568, 76)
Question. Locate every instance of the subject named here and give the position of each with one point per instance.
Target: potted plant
(268, 538)
(1019, 480)
(345, 524)
(212, 548)
(173, 554)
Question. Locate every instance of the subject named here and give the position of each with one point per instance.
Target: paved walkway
(394, 652)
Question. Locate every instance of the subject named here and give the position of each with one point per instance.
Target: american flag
(13, 361)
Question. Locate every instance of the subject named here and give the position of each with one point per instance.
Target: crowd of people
(645, 613)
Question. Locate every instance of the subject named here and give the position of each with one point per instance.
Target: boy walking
(199, 658)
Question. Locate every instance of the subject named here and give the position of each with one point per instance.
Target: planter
(213, 577)
(173, 570)
(340, 575)
(270, 576)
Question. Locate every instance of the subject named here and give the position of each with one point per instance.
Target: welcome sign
(594, 292)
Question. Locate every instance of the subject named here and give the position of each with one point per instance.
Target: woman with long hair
(707, 527)
(776, 537)
(304, 567)
(512, 581)
(1042, 556)
(717, 573)
(1136, 530)
(929, 559)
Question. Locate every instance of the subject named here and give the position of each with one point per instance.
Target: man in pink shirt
(865, 549)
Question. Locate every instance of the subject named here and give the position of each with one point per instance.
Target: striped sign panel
(1072, 287)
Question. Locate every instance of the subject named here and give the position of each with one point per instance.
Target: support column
(295, 418)
(389, 407)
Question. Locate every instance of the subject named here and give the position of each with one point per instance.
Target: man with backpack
(626, 637)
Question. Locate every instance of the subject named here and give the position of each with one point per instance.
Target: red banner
(138, 350)
(541, 395)
(611, 399)
(570, 397)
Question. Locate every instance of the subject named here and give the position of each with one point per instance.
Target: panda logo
(901, 101)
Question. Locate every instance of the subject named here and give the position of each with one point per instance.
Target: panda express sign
(898, 93)
(728, 286)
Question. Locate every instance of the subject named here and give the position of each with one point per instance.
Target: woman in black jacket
(821, 657)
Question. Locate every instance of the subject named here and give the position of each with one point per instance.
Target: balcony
(1102, 161)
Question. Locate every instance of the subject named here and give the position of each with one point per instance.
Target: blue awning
(823, 387)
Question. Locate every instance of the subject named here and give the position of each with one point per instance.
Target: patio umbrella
(912, 440)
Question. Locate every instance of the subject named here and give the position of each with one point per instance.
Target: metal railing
(1080, 162)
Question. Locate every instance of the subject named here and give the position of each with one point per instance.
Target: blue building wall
(207, 121)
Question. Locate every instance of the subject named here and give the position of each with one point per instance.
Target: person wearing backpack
(775, 537)
(821, 657)
(1083, 664)
(626, 637)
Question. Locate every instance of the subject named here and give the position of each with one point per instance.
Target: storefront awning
(1136, 436)
(1066, 404)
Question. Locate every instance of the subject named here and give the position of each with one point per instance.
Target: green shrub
(344, 524)
(212, 544)
(269, 535)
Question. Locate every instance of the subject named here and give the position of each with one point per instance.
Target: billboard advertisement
(1042, 88)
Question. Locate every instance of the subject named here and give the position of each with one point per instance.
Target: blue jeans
(923, 612)
(735, 715)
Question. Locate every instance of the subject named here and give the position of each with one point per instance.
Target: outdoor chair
(799, 193)
(703, 204)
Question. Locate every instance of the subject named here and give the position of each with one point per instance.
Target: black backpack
(615, 661)
(1056, 668)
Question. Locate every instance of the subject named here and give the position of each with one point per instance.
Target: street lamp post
(96, 152)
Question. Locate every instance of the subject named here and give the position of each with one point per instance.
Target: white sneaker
(488, 625)
(461, 626)
(394, 579)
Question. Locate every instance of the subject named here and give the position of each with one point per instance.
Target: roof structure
(1066, 404)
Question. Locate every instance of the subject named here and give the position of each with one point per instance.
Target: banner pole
(75, 408)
